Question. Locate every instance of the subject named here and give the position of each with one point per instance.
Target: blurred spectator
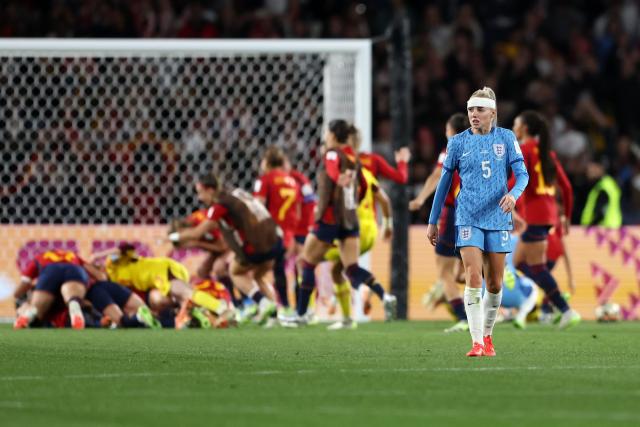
(603, 202)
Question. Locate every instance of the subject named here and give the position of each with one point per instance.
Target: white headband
(481, 102)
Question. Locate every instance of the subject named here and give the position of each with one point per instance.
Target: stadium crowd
(576, 61)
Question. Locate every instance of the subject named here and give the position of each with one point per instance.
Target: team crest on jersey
(498, 150)
(465, 233)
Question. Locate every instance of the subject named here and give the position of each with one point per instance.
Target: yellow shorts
(368, 237)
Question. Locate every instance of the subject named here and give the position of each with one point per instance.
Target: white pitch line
(444, 369)
(312, 371)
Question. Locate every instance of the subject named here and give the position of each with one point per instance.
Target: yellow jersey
(367, 206)
(144, 274)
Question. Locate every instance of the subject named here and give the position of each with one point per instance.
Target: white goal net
(101, 140)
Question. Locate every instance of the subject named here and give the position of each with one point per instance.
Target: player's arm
(382, 199)
(508, 201)
(427, 189)
(399, 175)
(217, 246)
(95, 272)
(194, 233)
(448, 167)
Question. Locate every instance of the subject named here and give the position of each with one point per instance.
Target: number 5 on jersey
(486, 169)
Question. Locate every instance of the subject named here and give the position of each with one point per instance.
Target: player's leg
(188, 298)
(38, 306)
(44, 295)
(315, 246)
(528, 303)
(221, 272)
(342, 290)
(445, 266)
(349, 253)
(494, 271)
(102, 301)
(243, 278)
(73, 291)
(205, 268)
(135, 312)
(266, 306)
(280, 277)
(531, 259)
(158, 302)
(471, 243)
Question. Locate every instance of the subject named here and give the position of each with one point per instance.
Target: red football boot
(488, 347)
(477, 350)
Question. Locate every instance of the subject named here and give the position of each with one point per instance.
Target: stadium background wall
(609, 259)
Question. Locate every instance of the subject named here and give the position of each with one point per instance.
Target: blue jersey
(483, 162)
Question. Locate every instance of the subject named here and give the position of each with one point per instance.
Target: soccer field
(381, 374)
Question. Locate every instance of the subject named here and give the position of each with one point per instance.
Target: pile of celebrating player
(248, 240)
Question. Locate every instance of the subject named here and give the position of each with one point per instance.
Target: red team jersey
(332, 166)
(282, 194)
(455, 182)
(538, 206)
(307, 200)
(379, 167)
(199, 216)
(55, 256)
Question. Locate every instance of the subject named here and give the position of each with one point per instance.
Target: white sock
(31, 314)
(473, 308)
(491, 303)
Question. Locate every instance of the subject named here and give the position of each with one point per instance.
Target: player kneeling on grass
(249, 231)
(170, 278)
(53, 274)
(120, 307)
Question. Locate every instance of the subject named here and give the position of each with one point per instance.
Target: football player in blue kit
(483, 156)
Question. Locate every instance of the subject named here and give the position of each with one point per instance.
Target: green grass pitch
(404, 373)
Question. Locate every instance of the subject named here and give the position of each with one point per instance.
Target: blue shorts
(276, 251)
(104, 293)
(300, 239)
(328, 233)
(446, 245)
(53, 276)
(536, 233)
(487, 240)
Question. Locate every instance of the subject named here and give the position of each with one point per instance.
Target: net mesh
(119, 140)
